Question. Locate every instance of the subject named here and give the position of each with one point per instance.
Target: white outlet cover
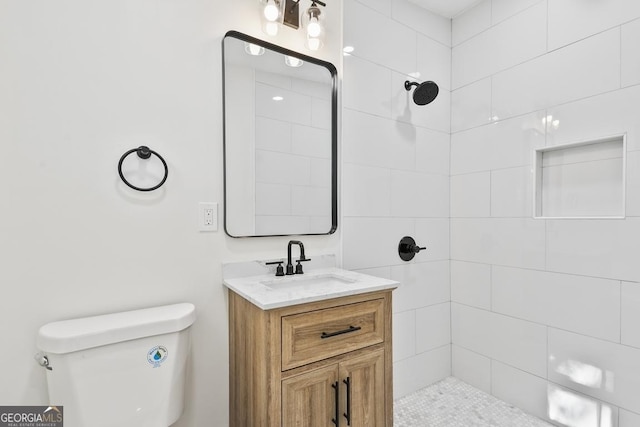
(203, 224)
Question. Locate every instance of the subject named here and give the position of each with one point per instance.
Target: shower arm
(408, 84)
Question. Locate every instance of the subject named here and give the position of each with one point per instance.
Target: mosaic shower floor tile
(453, 403)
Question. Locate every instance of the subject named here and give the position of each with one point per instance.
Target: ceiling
(446, 8)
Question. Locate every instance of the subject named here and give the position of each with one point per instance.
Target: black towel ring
(143, 152)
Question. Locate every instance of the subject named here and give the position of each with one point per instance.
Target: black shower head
(425, 92)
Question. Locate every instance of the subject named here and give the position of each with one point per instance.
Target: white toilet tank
(119, 370)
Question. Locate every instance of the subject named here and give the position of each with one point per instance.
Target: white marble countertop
(268, 291)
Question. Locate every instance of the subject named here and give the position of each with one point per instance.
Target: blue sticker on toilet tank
(157, 355)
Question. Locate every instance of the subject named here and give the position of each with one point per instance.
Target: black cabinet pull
(344, 331)
(347, 414)
(336, 387)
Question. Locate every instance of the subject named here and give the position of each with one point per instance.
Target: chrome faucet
(302, 258)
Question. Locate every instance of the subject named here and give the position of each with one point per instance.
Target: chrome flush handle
(42, 360)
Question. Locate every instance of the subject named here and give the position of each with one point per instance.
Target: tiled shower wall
(544, 312)
(395, 175)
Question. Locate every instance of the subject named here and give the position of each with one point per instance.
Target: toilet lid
(78, 334)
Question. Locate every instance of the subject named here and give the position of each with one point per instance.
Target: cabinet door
(362, 379)
(310, 399)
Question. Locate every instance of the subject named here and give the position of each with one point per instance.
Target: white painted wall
(241, 178)
(83, 82)
(544, 312)
(395, 177)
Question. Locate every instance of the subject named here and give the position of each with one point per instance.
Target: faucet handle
(299, 266)
(279, 269)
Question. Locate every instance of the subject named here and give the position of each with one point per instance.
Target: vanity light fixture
(271, 14)
(292, 61)
(287, 12)
(315, 30)
(291, 17)
(271, 11)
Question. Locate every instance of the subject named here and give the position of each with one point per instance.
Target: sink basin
(331, 281)
(268, 291)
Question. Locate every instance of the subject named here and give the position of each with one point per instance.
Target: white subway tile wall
(471, 367)
(471, 284)
(517, 342)
(586, 68)
(412, 373)
(395, 174)
(519, 388)
(471, 23)
(470, 195)
(511, 196)
(601, 369)
(631, 53)
(574, 20)
(433, 329)
(416, 292)
(471, 105)
(544, 312)
(503, 9)
(422, 21)
(512, 42)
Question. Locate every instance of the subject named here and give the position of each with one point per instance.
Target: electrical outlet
(207, 216)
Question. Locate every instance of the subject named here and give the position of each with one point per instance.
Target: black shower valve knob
(407, 249)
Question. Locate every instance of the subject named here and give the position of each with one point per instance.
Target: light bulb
(271, 11)
(313, 43)
(271, 28)
(314, 29)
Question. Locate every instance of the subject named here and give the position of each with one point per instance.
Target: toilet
(119, 370)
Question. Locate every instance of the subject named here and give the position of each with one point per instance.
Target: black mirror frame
(334, 128)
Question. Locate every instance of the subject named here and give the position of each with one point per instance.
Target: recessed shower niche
(581, 180)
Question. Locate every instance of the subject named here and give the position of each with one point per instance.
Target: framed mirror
(280, 140)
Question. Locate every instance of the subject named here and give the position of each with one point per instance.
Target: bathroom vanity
(310, 350)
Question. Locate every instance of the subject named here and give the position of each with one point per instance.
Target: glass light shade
(313, 28)
(314, 43)
(271, 28)
(271, 11)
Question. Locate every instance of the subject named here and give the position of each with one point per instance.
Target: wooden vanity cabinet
(307, 364)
